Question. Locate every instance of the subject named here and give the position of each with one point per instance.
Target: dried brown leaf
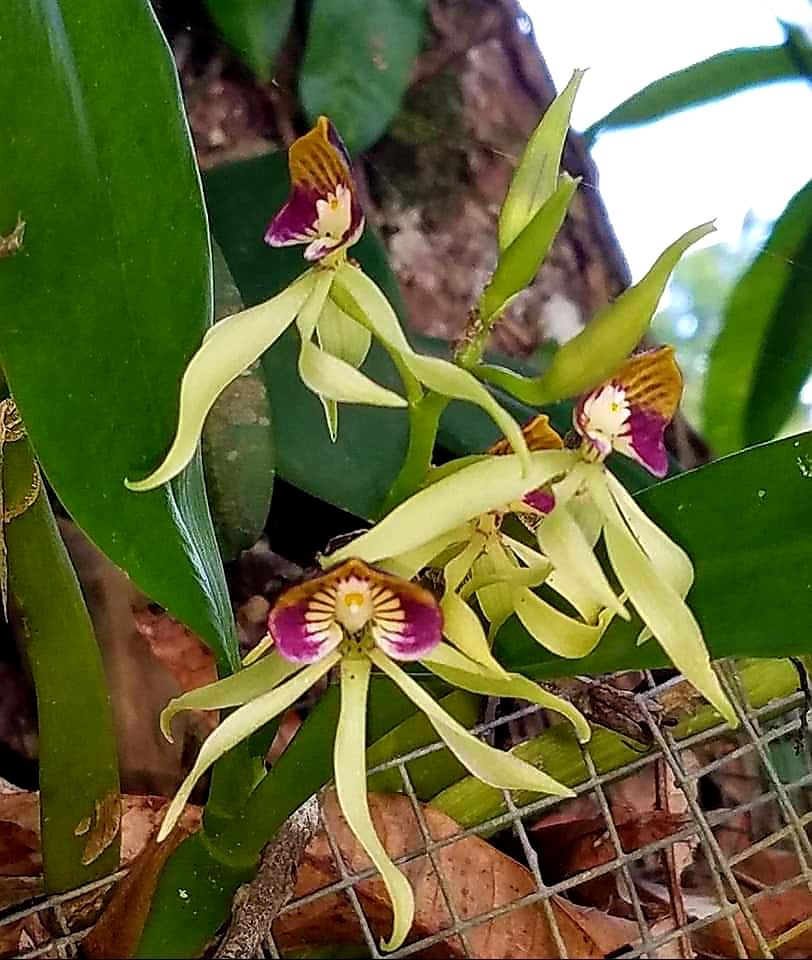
(479, 879)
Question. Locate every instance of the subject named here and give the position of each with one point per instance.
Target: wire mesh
(774, 804)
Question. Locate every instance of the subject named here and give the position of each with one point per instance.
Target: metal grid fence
(782, 807)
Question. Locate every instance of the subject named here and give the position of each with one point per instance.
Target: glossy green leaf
(357, 64)
(746, 523)
(721, 75)
(536, 176)
(598, 350)
(242, 198)
(763, 354)
(520, 262)
(256, 29)
(238, 452)
(111, 292)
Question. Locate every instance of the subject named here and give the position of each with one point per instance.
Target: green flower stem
(78, 769)
(424, 420)
(470, 802)
(469, 351)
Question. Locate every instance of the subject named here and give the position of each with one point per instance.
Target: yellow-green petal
(409, 564)
(342, 336)
(351, 791)
(577, 576)
(554, 630)
(227, 349)
(494, 767)
(496, 598)
(233, 691)
(239, 725)
(450, 665)
(659, 605)
(335, 379)
(483, 486)
(462, 627)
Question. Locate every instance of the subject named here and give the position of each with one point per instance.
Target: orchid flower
(455, 524)
(356, 617)
(336, 307)
(627, 414)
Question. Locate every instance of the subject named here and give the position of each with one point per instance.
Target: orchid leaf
(256, 29)
(357, 64)
(107, 184)
(753, 381)
(722, 75)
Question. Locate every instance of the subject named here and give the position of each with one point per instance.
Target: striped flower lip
(323, 210)
(539, 435)
(630, 412)
(359, 604)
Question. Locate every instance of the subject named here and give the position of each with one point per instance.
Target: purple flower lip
(630, 412)
(323, 210)
(356, 600)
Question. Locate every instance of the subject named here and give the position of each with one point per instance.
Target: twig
(257, 904)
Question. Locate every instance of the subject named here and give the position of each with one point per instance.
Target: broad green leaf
(746, 523)
(110, 294)
(721, 75)
(357, 64)
(238, 453)
(536, 177)
(520, 262)
(598, 350)
(763, 354)
(242, 198)
(256, 29)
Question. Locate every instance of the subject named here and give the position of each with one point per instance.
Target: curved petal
(311, 310)
(231, 691)
(342, 336)
(456, 669)
(349, 760)
(462, 627)
(228, 348)
(439, 375)
(554, 630)
(669, 559)
(496, 598)
(494, 767)
(409, 564)
(578, 576)
(483, 486)
(239, 725)
(337, 380)
(662, 609)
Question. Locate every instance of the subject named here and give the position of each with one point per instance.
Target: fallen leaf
(186, 657)
(479, 879)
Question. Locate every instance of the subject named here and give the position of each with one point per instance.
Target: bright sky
(717, 161)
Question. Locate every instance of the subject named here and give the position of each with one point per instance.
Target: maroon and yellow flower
(630, 412)
(361, 606)
(323, 210)
(355, 617)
